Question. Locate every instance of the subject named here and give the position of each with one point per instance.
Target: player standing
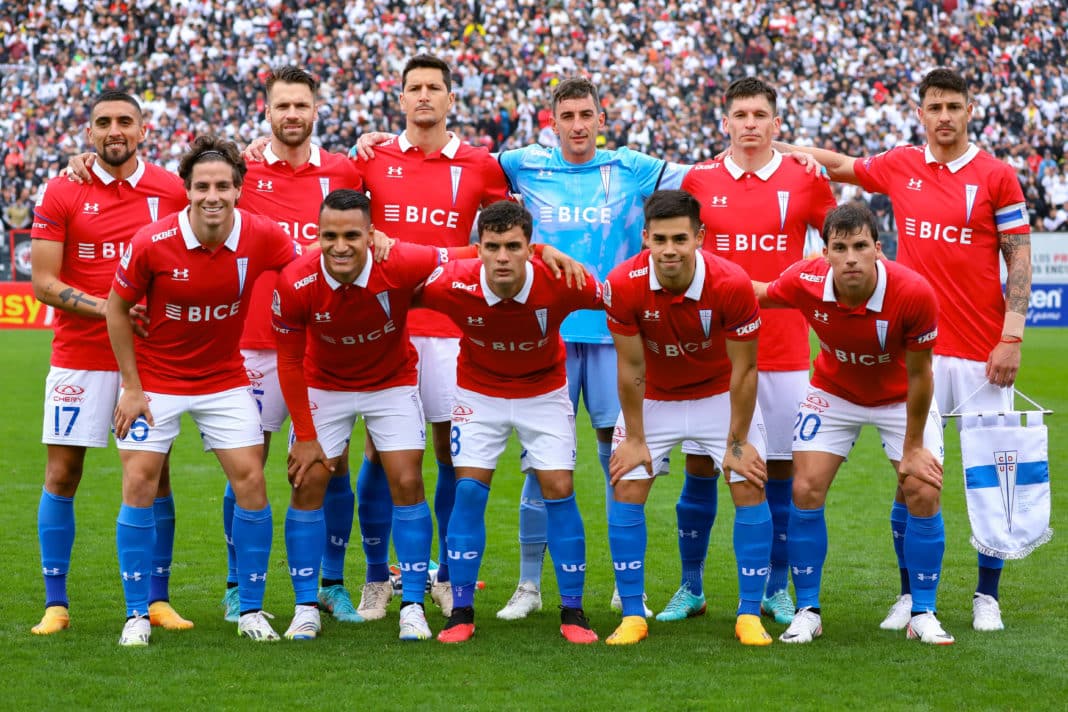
(739, 196)
(79, 232)
(685, 324)
(956, 208)
(194, 269)
(876, 324)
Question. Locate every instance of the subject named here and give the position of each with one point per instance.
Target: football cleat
(461, 626)
(750, 631)
(55, 619)
(441, 595)
(306, 624)
(255, 625)
(525, 600)
(374, 600)
(337, 601)
(631, 630)
(926, 628)
(575, 627)
(806, 627)
(617, 603)
(231, 604)
(986, 613)
(413, 625)
(899, 614)
(683, 605)
(136, 631)
(162, 614)
(779, 606)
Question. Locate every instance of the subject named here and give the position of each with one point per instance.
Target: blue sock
(375, 505)
(626, 540)
(135, 535)
(338, 509)
(899, 517)
(55, 531)
(229, 502)
(533, 530)
(807, 544)
(467, 539)
(413, 532)
(604, 456)
(752, 548)
(925, 544)
(305, 540)
(252, 542)
(989, 575)
(444, 498)
(779, 494)
(567, 546)
(163, 552)
(695, 513)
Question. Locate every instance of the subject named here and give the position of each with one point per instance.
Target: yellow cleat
(56, 618)
(633, 629)
(162, 614)
(750, 631)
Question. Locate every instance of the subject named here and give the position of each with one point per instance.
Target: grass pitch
(695, 664)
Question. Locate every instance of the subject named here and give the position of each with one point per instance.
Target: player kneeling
(877, 323)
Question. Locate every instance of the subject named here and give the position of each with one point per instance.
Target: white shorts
(827, 423)
(261, 365)
(394, 418)
(778, 395)
(957, 379)
(79, 407)
(545, 425)
(226, 420)
(703, 422)
(437, 375)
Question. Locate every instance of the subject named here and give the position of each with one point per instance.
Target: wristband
(1007, 339)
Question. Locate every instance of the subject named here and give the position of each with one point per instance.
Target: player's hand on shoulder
(132, 404)
(742, 458)
(365, 144)
(628, 455)
(562, 265)
(253, 153)
(811, 165)
(921, 464)
(303, 456)
(77, 170)
(139, 320)
(382, 243)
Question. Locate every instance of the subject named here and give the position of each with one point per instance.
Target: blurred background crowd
(846, 71)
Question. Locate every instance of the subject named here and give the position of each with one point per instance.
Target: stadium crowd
(844, 69)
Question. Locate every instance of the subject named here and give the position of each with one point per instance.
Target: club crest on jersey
(126, 255)
(153, 208)
(242, 272)
(607, 294)
(821, 317)
(706, 320)
(265, 186)
(455, 172)
(383, 300)
(91, 209)
(276, 304)
(915, 184)
(881, 326)
(784, 203)
(970, 191)
(324, 186)
(435, 274)
(606, 181)
(542, 316)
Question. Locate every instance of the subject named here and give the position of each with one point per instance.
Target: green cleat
(682, 605)
(337, 600)
(231, 604)
(780, 606)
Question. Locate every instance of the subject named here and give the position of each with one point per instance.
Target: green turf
(522, 665)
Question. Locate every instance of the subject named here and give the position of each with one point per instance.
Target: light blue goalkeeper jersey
(591, 211)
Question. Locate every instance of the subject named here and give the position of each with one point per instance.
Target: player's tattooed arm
(1016, 249)
(72, 298)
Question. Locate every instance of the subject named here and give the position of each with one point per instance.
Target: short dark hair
(346, 199)
(667, 204)
(945, 79)
(292, 74)
(849, 219)
(575, 88)
(116, 95)
(749, 86)
(502, 216)
(212, 148)
(427, 61)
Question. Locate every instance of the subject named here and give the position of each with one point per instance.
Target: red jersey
(948, 218)
(862, 349)
(742, 224)
(292, 197)
(431, 199)
(684, 335)
(95, 223)
(511, 348)
(197, 299)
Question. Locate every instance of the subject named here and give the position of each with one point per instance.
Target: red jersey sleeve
(787, 289)
(49, 214)
(134, 272)
(287, 319)
(874, 172)
(496, 185)
(741, 315)
(619, 303)
(921, 323)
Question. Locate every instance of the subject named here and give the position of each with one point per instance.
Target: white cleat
(617, 603)
(806, 627)
(306, 624)
(136, 631)
(255, 625)
(986, 613)
(927, 629)
(900, 613)
(525, 600)
(374, 600)
(413, 625)
(441, 595)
